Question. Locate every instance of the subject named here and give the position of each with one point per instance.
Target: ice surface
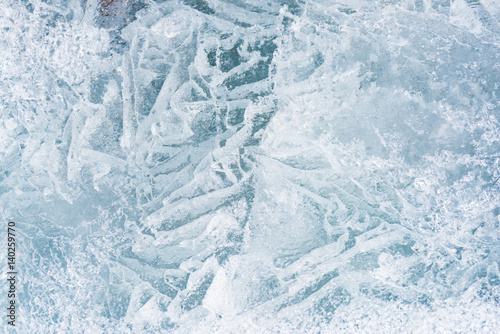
(252, 167)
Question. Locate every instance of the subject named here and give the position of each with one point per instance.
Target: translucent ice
(252, 167)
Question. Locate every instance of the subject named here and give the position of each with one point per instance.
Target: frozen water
(230, 166)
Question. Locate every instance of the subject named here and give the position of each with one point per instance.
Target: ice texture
(230, 166)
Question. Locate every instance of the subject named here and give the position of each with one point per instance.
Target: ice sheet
(252, 167)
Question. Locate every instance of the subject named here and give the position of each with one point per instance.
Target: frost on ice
(231, 166)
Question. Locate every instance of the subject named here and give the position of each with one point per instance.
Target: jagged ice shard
(231, 166)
